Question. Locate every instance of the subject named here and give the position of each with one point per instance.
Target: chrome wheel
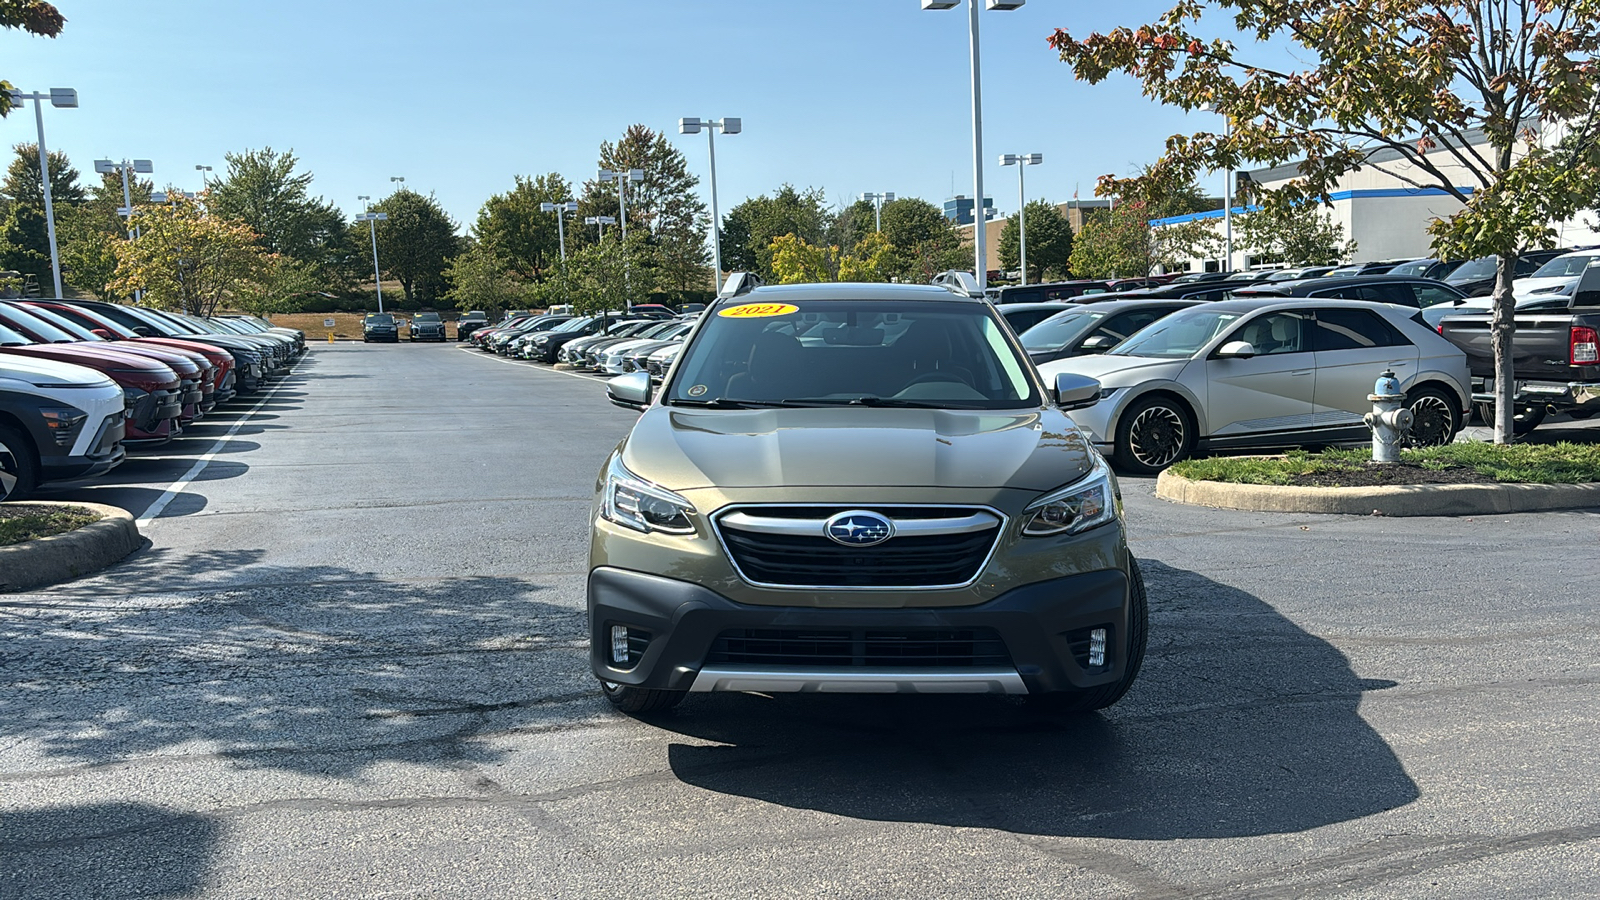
(1156, 436)
(1433, 419)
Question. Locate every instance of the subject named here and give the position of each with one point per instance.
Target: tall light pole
(622, 201)
(204, 182)
(140, 167)
(561, 210)
(372, 219)
(980, 236)
(1022, 161)
(397, 178)
(602, 221)
(60, 98)
(728, 125)
(877, 201)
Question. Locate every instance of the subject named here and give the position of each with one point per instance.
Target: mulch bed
(1379, 475)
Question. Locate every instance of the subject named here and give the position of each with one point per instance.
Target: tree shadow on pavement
(318, 669)
(139, 851)
(1241, 724)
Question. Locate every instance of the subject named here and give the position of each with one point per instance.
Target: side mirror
(1236, 350)
(1074, 391)
(102, 334)
(631, 390)
(143, 331)
(1100, 343)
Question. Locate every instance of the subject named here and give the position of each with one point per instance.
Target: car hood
(1524, 286)
(1114, 371)
(681, 449)
(34, 370)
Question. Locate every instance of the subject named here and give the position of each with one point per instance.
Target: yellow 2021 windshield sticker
(758, 310)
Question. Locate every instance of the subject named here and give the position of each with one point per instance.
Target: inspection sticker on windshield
(758, 310)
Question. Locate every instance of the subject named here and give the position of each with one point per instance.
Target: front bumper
(105, 453)
(1040, 625)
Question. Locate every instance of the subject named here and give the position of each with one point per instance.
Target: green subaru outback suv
(859, 488)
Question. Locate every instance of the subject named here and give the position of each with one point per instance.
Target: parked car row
(83, 382)
(616, 342)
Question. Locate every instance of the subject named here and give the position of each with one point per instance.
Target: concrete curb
(77, 553)
(1398, 500)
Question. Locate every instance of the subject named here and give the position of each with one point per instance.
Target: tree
(263, 190)
(1049, 242)
(664, 204)
(22, 184)
(480, 279)
(1296, 235)
(796, 261)
(35, 17)
(416, 244)
(187, 259)
(513, 228)
(594, 279)
(1412, 80)
(1114, 245)
(88, 254)
(751, 227)
(923, 242)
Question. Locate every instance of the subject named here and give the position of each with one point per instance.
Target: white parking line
(526, 364)
(155, 509)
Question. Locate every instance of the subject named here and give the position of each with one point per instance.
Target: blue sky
(845, 95)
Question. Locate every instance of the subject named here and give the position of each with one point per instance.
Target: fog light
(1097, 647)
(619, 644)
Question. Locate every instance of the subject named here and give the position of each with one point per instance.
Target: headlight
(63, 423)
(1084, 504)
(633, 502)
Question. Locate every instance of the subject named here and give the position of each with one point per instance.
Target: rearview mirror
(1236, 350)
(631, 391)
(1074, 391)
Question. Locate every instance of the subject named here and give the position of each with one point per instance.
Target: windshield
(1060, 330)
(425, 317)
(1178, 336)
(34, 327)
(1566, 266)
(572, 324)
(1483, 267)
(1418, 269)
(931, 354)
(77, 331)
(9, 338)
(380, 319)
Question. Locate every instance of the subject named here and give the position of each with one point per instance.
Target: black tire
(1154, 433)
(1435, 417)
(640, 701)
(1527, 418)
(19, 465)
(1581, 414)
(1106, 695)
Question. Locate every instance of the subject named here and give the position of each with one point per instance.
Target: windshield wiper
(726, 403)
(874, 400)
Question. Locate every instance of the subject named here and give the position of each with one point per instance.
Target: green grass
(25, 523)
(1563, 463)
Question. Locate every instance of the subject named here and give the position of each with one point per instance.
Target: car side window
(1431, 295)
(1355, 329)
(1347, 292)
(1276, 333)
(1119, 327)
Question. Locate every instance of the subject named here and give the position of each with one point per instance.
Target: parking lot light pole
(980, 242)
(204, 181)
(602, 221)
(60, 98)
(1022, 161)
(401, 179)
(622, 200)
(877, 201)
(561, 210)
(728, 125)
(140, 167)
(372, 219)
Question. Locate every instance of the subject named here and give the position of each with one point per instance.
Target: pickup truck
(1555, 355)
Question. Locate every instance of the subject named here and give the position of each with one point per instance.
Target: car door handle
(1301, 372)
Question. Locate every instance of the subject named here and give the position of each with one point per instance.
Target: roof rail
(958, 282)
(740, 283)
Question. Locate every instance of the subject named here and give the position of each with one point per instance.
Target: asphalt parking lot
(352, 664)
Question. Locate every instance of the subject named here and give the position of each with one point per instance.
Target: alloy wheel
(1432, 421)
(1157, 436)
(10, 471)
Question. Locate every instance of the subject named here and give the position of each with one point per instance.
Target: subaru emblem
(859, 528)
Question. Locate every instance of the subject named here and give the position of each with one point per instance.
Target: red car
(152, 391)
(194, 370)
(108, 330)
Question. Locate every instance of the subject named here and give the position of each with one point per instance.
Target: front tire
(19, 470)
(1435, 420)
(1138, 635)
(640, 701)
(1154, 433)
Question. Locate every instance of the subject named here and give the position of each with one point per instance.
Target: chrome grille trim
(978, 521)
(777, 679)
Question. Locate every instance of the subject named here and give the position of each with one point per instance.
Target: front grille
(968, 648)
(903, 561)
